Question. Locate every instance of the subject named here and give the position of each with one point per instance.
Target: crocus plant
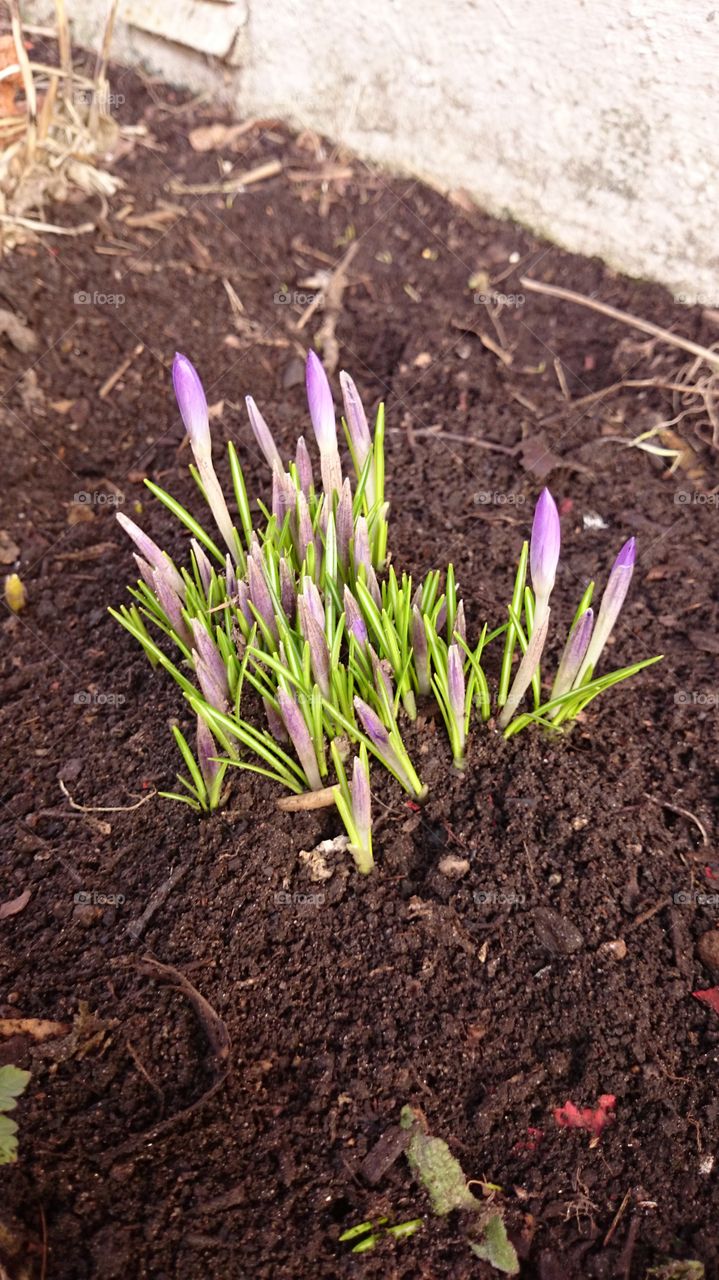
(296, 642)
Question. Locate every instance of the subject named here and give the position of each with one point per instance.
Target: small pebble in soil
(579, 823)
(454, 868)
(556, 933)
(555, 879)
(616, 949)
(708, 949)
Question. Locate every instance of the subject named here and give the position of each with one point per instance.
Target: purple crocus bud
(288, 589)
(356, 420)
(300, 737)
(362, 551)
(193, 409)
(204, 568)
(420, 651)
(303, 462)
(345, 524)
(275, 723)
(170, 604)
(379, 737)
(263, 435)
(230, 578)
(303, 534)
(526, 670)
(243, 602)
(284, 495)
(455, 696)
(544, 550)
(441, 617)
(312, 600)
(361, 799)
(146, 570)
(260, 595)
(322, 413)
(319, 653)
(614, 596)
(382, 675)
(354, 620)
(206, 753)
(210, 656)
(152, 553)
(213, 690)
(460, 626)
(574, 653)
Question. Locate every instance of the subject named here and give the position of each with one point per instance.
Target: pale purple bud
(374, 590)
(284, 495)
(544, 547)
(361, 801)
(300, 737)
(263, 435)
(574, 653)
(243, 602)
(355, 622)
(441, 617)
(192, 404)
(345, 524)
(614, 596)
(204, 568)
(303, 535)
(146, 570)
(275, 723)
(212, 689)
(421, 651)
(206, 753)
(379, 737)
(456, 693)
(152, 553)
(288, 590)
(319, 653)
(322, 413)
(260, 595)
(230, 578)
(170, 604)
(210, 656)
(303, 462)
(526, 670)
(356, 419)
(460, 625)
(362, 551)
(382, 675)
(312, 600)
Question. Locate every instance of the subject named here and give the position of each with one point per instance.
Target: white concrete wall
(592, 122)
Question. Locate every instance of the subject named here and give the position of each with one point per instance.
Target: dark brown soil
(407, 986)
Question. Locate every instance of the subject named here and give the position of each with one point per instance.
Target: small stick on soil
(233, 186)
(326, 337)
(438, 434)
(685, 813)
(647, 915)
(137, 927)
(561, 378)
(624, 1264)
(624, 317)
(308, 800)
(617, 1218)
(102, 808)
(214, 1028)
(114, 378)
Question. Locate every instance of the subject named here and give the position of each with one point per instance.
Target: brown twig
(137, 927)
(307, 800)
(27, 80)
(325, 337)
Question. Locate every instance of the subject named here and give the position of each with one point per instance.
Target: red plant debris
(594, 1121)
(710, 997)
(530, 1143)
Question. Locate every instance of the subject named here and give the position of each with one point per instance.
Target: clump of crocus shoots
(297, 611)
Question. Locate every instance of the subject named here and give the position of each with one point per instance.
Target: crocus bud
(382, 675)
(354, 620)
(526, 670)
(614, 596)
(170, 603)
(379, 737)
(263, 435)
(260, 594)
(213, 690)
(275, 723)
(574, 653)
(288, 591)
(362, 800)
(303, 534)
(300, 737)
(544, 550)
(152, 553)
(456, 695)
(460, 626)
(284, 495)
(193, 409)
(420, 650)
(322, 413)
(356, 420)
(315, 637)
(312, 600)
(206, 751)
(243, 602)
(230, 578)
(146, 570)
(345, 524)
(204, 568)
(362, 551)
(210, 656)
(303, 462)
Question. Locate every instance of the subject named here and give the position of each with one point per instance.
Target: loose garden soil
(157, 1141)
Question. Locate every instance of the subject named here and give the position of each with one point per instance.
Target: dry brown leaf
(15, 905)
(22, 338)
(9, 552)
